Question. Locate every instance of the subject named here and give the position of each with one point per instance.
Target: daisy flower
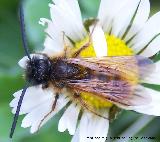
(123, 28)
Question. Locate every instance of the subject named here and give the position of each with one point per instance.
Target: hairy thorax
(63, 71)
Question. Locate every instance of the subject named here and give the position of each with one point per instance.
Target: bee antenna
(17, 111)
(23, 34)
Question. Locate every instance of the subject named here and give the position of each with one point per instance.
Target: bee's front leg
(52, 109)
(66, 47)
(45, 85)
(77, 53)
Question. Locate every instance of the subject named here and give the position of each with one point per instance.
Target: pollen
(95, 101)
(116, 47)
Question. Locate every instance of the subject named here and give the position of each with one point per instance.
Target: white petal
(149, 31)
(36, 114)
(69, 27)
(76, 136)
(52, 47)
(152, 48)
(54, 41)
(23, 62)
(99, 40)
(69, 119)
(67, 20)
(93, 126)
(66, 17)
(35, 117)
(107, 11)
(53, 30)
(151, 108)
(123, 18)
(154, 77)
(31, 95)
(72, 6)
(141, 17)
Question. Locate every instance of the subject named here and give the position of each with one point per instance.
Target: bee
(109, 78)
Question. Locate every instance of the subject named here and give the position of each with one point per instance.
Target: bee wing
(115, 91)
(129, 70)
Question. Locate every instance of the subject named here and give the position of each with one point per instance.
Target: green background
(11, 74)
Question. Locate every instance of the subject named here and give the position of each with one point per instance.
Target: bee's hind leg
(52, 109)
(86, 106)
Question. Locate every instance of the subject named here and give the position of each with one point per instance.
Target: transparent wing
(116, 91)
(113, 78)
(131, 68)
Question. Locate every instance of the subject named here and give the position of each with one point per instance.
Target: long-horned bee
(109, 78)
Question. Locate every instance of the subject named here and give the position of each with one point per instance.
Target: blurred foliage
(11, 75)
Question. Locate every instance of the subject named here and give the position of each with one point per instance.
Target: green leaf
(33, 11)
(89, 8)
(10, 41)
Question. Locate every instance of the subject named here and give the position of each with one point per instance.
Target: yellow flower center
(116, 47)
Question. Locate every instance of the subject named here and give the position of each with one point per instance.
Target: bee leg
(77, 53)
(66, 47)
(45, 85)
(86, 106)
(52, 109)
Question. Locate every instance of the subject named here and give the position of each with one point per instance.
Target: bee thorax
(63, 70)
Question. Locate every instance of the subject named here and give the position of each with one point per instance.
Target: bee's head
(38, 70)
